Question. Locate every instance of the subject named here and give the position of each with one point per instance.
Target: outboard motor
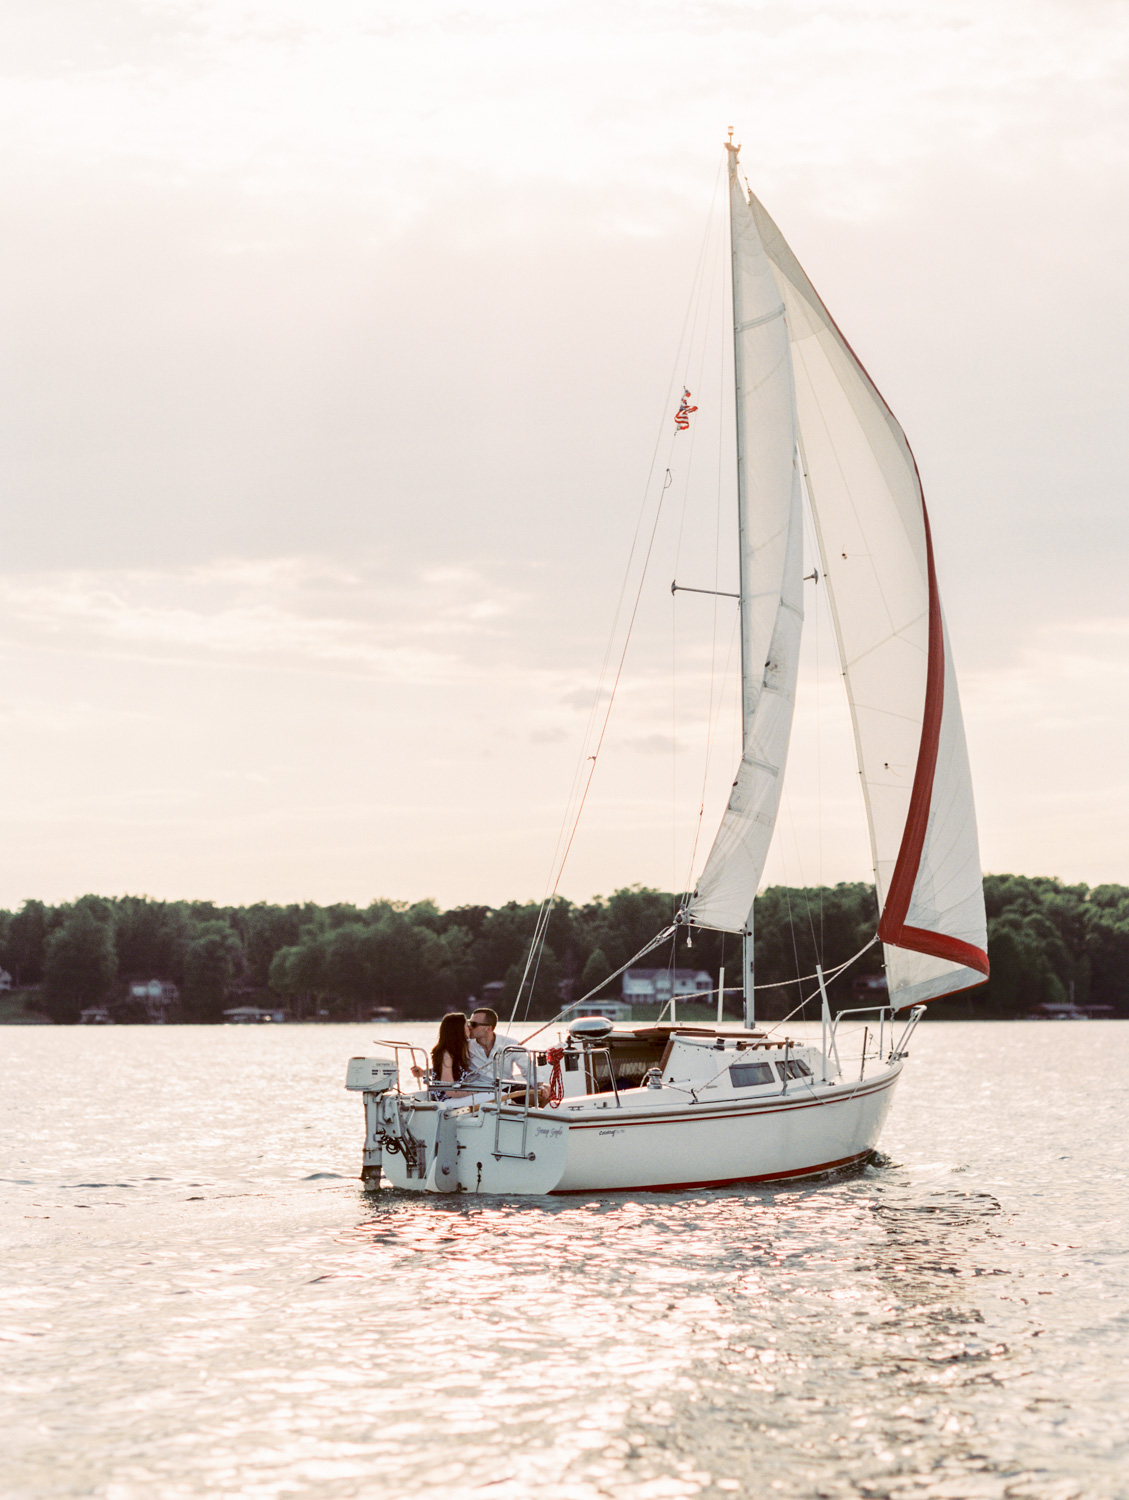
(372, 1076)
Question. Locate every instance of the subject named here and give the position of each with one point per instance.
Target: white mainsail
(770, 526)
(877, 560)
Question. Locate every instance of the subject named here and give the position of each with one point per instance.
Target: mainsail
(877, 560)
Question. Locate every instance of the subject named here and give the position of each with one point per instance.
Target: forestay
(770, 521)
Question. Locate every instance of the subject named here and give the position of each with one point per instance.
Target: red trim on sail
(940, 945)
(891, 929)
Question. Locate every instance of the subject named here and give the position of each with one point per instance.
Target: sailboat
(668, 1106)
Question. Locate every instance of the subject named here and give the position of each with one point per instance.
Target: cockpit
(598, 1060)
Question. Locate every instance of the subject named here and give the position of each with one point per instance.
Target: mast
(770, 560)
(732, 152)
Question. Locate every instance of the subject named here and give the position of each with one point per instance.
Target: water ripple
(950, 1324)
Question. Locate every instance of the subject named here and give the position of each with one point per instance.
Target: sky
(339, 344)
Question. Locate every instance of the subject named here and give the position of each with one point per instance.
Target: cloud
(650, 744)
(302, 613)
(337, 340)
(395, 108)
(585, 697)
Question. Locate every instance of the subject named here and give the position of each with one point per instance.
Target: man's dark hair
(489, 1015)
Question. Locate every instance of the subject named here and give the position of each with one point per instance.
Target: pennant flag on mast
(682, 415)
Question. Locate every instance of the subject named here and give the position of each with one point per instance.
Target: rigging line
(774, 984)
(615, 684)
(818, 633)
(712, 277)
(539, 937)
(694, 291)
(536, 968)
(674, 744)
(574, 1004)
(689, 359)
(707, 282)
(547, 905)
(694, 303)
(536, 944)
(890, 612)
(601, 677)
(827, 979)
(574, 808)
(829, 974)
(816, 638)
(817, 944)
(795, 1011)
(795, 947)
(816, 947)
(715, 279)
(548, 900)
(722, 407)
(712, 726)
(781, 847)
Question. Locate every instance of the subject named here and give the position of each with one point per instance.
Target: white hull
(808, 1132)
(715, 1108)
(638, 1146)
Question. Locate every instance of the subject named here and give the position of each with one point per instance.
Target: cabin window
(797, 1068)
(748, 1075)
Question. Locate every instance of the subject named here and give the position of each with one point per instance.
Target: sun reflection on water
(176, 1323)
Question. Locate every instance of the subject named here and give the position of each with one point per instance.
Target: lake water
(199, 1300)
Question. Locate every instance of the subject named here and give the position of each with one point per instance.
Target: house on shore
(253, 1015)
(658, 986)
(158, 996)
(610, 1010)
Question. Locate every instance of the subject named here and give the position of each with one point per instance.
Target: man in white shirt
(484, 1046)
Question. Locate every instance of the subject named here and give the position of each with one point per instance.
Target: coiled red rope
(554, 1057)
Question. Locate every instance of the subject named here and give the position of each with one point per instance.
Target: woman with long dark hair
(449, 1060)
(449, 1055)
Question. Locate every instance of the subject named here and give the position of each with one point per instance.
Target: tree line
(1048, 943)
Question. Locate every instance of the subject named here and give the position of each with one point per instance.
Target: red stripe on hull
(678, 1187)
(618, 1121)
